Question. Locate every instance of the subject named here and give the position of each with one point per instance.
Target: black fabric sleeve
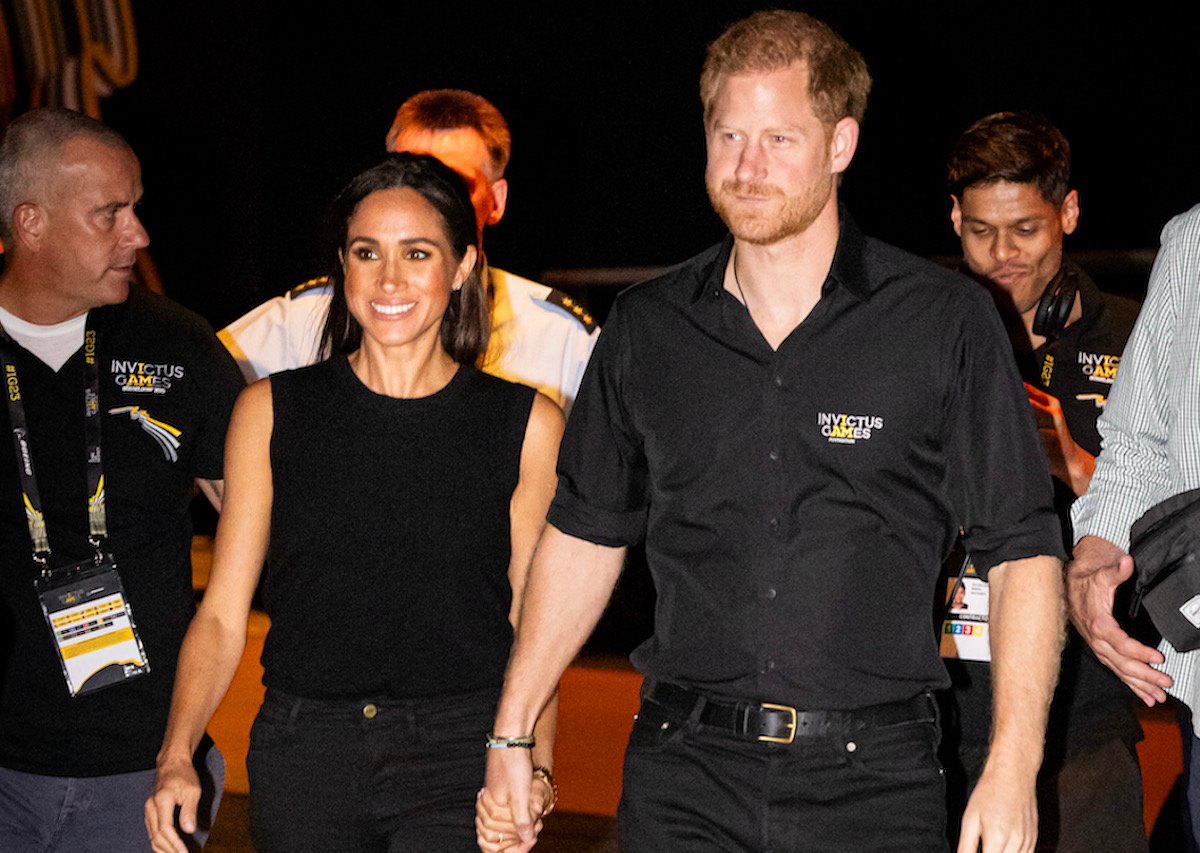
(602, 478)
(1001, 485)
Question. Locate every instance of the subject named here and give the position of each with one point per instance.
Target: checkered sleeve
(1150, 428)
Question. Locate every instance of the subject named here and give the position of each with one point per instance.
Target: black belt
(772, 723)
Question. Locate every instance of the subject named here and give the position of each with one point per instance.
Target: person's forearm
(207, 662)
(569, 584)
(544, 732)
(1026, 624)
(1081, 466)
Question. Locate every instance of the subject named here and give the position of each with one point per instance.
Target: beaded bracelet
(523, 742)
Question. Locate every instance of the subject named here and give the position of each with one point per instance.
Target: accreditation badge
(92, 625)
(965, 627)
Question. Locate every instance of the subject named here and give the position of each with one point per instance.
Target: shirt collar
(846, 270)
(1089, 295)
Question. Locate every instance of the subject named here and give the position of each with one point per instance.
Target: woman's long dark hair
(467, 321)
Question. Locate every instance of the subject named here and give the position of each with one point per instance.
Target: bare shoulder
(543, 432)
(545, 418)
(253, 407)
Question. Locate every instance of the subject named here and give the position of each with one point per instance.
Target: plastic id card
(965, 628)
(92, 625)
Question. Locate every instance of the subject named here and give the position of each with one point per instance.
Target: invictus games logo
(141, 377)
(1099, 367)
(848, 429)
(166, 435)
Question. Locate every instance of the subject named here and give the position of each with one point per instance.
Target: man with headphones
(1009, 177)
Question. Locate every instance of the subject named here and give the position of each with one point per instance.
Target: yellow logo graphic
(1099, 367)
(1098, 399)
(1047, 370)
(37, 525)
(166, 435)
(848, 429)
(96, 501)
(10, 382)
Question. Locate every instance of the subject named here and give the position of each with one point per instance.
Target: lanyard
(30, 495)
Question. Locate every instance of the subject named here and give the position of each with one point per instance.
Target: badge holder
(84, 603)
(965, 625)
(92, 625)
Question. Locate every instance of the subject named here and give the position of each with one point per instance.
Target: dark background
(249, 116)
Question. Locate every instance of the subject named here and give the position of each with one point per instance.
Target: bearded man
(798, 421)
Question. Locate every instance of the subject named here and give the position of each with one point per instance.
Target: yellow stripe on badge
(97, 643)
(101, 609)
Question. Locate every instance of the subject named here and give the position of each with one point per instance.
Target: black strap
(779, 723)
(30, 494)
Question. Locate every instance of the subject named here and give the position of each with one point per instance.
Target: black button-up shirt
(797, 504)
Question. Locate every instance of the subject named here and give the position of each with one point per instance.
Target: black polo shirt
(1079, 366)
(797, 503)
(167, 388)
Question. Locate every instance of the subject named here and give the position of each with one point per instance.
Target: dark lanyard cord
(30, 495)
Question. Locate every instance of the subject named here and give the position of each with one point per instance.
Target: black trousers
(1087, 801)
(695, 788)
(363, 776)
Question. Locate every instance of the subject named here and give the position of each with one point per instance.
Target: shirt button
(767, 666)
(370, 710)
(769, 595)
(773, 523)
(774, 454)
(778, 380)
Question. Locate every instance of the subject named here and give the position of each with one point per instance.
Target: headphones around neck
(1054, 306)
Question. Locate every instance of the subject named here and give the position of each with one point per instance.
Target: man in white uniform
(540, 337)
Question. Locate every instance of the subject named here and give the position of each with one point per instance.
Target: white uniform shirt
(1150, 428)
(540, 338)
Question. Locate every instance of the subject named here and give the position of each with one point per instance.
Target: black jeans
(333, 776)
(692, 787)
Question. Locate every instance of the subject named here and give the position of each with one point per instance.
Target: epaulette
(572, 307)
(311, 284)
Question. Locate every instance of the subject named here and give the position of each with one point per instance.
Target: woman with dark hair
(396, 494)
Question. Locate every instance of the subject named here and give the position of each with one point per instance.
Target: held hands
(1068, 461)
(176, 784)
(1093, 576)
(512, 790)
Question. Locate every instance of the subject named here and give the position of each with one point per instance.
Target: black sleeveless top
(387, 571)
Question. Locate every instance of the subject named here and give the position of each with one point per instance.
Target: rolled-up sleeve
(1004, 496)
(602, 494)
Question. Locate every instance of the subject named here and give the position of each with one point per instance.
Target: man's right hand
(176, 784)
(1093, 575)
(507, 796)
